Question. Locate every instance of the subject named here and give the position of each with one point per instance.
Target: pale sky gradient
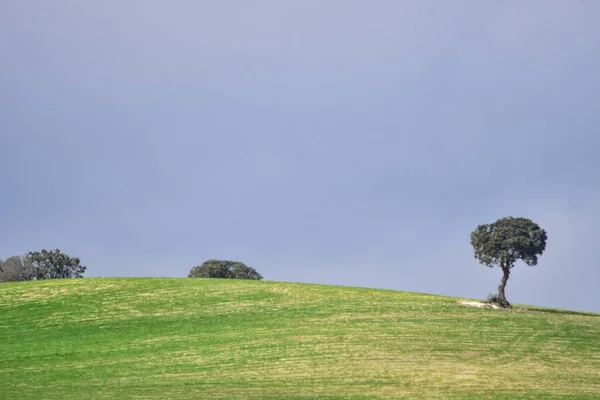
(340, 142)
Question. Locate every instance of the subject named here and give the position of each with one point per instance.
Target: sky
(344, 142)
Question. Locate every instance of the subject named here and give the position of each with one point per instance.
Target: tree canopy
(506, 241)
(44, 264)
(16, 269)
(54, 264)
(224, 269)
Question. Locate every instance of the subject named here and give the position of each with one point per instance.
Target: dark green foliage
(241, 271)
(16, 269)
(55, 265)
(224, 269)
(506, 241)
(210, 269)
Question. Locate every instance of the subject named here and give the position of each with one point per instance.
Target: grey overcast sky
(338, 142)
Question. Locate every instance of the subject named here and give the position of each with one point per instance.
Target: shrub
(493, 298)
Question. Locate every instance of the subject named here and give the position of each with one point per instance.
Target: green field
(224, 339)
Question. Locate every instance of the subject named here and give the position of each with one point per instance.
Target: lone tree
(54, 264)
(506, 241)
(224, 269)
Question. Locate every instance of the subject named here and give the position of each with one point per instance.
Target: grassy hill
(202, 339)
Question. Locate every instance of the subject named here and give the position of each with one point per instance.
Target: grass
(128, 338)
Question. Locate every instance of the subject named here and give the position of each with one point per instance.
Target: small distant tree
(16, 269)
(224, 269)
(504, 242)
(54, 264)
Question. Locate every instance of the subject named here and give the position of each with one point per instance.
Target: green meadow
(150, 338)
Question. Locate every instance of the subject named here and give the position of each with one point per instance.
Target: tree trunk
(501, 295)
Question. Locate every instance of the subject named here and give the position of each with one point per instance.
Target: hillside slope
(196, 338)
